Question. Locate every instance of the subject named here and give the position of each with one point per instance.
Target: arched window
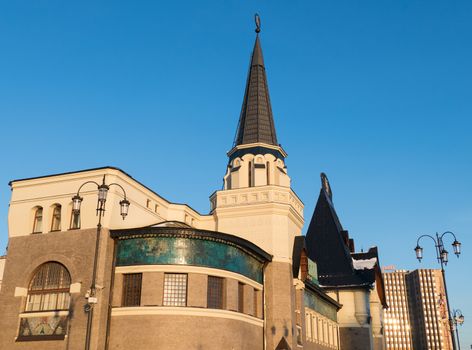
(249, 170)
(56, 218)
(75, 220)
(38, 220)
(49, 288)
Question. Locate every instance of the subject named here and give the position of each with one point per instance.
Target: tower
(257, 202)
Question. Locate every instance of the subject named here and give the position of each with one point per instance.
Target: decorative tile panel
(47, 327)
(168, 250)
(314, 302)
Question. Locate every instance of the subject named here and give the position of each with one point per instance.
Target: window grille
(56, 218)
(38, 220)
(240, 297)
(49, 288)
(215, 292)
(132, 289)
(175, 289)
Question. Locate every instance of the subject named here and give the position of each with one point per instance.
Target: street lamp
(101, 200)
(442, 257)
(457, 319)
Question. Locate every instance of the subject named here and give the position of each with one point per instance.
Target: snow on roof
(363, 264)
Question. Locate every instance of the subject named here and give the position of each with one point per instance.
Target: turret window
(38, 220)
(249, 170)
(56, 218)
(268, 173)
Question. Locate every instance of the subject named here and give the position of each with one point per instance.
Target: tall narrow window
(249, 174)
(268, 173)
(308, 326)
(215, 292)
(256, 302)
(49, 288)
(56, 218)
(175, 289)
(38, 220)
(240, 297)
(132, 289)
(75, 220)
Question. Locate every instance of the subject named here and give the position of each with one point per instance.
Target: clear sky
(377, 94)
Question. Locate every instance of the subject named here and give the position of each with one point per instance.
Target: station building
(168, 277)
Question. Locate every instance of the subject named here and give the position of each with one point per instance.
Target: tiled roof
(256, 122)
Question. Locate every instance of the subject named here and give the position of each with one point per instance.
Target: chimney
(351, 245)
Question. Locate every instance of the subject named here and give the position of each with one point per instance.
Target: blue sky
(377, 94)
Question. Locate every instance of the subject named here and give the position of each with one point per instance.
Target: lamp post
(76, 203)
(442, 257)
(457, 320)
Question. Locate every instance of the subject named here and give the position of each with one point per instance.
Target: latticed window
(49, 288)
(175, 289)
(38, 220)
(215, 292)
(240, 297)
(56, 218)
(132, 289)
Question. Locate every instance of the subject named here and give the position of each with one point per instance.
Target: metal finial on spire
(257, 19)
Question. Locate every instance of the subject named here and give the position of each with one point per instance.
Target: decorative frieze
(273, 194)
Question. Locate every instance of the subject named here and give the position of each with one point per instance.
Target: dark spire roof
(256, 123)
(328, 245)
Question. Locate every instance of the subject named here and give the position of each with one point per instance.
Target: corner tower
(256, 201)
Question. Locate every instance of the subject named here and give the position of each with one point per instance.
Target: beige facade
(270, 311)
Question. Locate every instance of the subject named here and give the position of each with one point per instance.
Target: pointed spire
(256, 122)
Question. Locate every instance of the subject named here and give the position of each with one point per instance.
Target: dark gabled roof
(327, 246)
(256, 123)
